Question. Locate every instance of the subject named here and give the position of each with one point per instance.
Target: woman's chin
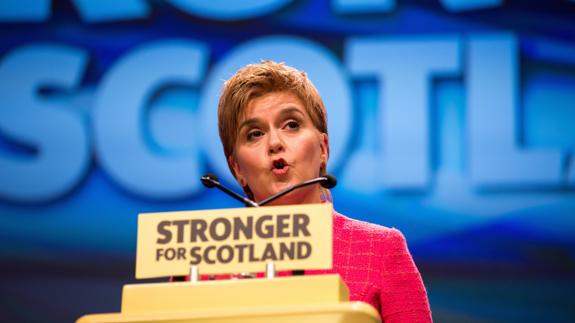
(286, 199)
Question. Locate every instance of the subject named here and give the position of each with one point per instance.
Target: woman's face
(278, 146)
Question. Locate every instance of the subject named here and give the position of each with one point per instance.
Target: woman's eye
(254, 134)
(292, 124)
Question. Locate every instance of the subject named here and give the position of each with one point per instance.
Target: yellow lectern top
(322, 298)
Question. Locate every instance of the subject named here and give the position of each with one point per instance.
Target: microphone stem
(238, 197)
(282, 193)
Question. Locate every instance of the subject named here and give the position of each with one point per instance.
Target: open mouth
(279, 167)
(279, 164)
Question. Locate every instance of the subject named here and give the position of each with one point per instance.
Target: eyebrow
(283, 113)
(247, 123)
(290, 110)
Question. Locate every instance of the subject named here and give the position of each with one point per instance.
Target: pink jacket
(378, 269)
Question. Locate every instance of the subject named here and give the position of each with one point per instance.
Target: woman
(273, 127)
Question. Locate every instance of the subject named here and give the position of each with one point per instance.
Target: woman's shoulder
(358, 229)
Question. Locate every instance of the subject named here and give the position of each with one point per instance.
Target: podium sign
(234, 240)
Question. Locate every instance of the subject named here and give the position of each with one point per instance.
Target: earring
(242, 181)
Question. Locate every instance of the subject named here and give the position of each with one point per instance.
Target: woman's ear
(236, 167)
(324, 145)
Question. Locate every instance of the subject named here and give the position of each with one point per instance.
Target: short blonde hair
(256, 80)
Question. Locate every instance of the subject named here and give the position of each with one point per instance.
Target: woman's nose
(276, 144)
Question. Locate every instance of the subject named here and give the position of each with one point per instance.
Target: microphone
(211, 180)
(327, 181)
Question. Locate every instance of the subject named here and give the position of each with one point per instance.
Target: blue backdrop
(451, 120)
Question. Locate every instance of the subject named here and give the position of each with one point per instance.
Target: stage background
(450, 120)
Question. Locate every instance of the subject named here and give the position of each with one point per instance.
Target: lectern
(318, 299)
(314, 298)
